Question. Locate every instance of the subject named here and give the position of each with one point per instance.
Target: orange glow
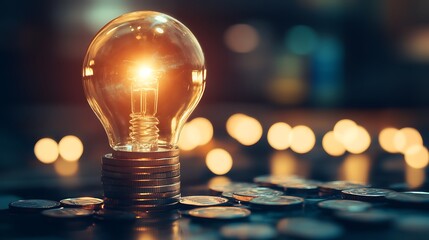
(144, 72)
(417, 156)
(283, 164)
(278, 136)
(219, 181)
(198, 76)
(355, 168)
(302, 139)
(70, 148)
(345, 131)
(46, 150)
(219, 161)
(66, 168)
(331, 145)
(407, 137)
(188, 137)
(244, 129)
(414, 177)
(241, 38)
(360, 143)
(386, 139)
(205, 130)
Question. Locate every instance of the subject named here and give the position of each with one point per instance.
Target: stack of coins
(141, 181)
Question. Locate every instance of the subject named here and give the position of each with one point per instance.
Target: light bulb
(143, 75)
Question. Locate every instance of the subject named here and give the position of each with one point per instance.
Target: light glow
(66, 168)
(244, 129)
(302, 139)
(188, 137)
(407, 137)
(361, 141)
(278, 136)
(241, 38)
(386, 139)
(345, 131)
(283, 164)
(355, 168)
(417, 156)
(70, 148)
(46, 150)
(331, 145)
(219, 161)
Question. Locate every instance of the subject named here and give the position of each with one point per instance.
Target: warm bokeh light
(407, 137)
(66, 168)
(360, 143)
(241, 38)
(244, 129)
(278, 136)
(188, 137)
(345, 131)
(355, 168)
(219, 161)
(331, 145)
(205, 130)
(414, 177)
(46, 150)
(283, 164)
(302, 139)
(70, 148)
(219, 181)
(386, 139)
(417, 156)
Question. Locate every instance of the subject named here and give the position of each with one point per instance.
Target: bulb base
(141, 181)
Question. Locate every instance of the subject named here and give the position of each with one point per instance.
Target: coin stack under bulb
(141, 181)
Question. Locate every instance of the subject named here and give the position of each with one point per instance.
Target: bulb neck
(144, 133)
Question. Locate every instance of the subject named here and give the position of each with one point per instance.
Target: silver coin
(141, 162)
(83, 202)
(115, 216)
(141, 182)
(148, 170)
(277, 202)
(68, 213)
(33, 205)
(274, 180)
(142, 189)
(335, 187)
(133, 196)
(140, 176)
(306, 228)
(408, 199)
(248, 231)
(202, 201)
(344, 205)
(366, 194)
(248, 195)
(231, 187)
(304, 188)
(220, 213)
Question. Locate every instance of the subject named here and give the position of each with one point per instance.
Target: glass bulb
(143, 75)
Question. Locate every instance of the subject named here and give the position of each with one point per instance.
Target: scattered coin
(231, 187)
(276, 202)
(33, 205)
(306, 228)
(344, 205)
(408, 199)
(202, 201)
(68, 213)
(248, 195)
(365, 219)
(335, 187)
(300, 188)
(248, 231)
(417, 192)
(366, 194)
(220, 213)
(115, 216)
(274, 180)
(83, 202)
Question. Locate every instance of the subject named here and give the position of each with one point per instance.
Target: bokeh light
(278, 136)
(302, 139)
(407, 137)
(360, 143)
(219, 161)
(356, 168)
(205, 130)
(70, 148)
(46, 150)
(188, 137)
(283, 164)
(386, 139)
(244, 129)
(414, 177)
(241, 38)
(345, 131)
(331, 145)
(66, 168)
(219, 181)
(417, 156)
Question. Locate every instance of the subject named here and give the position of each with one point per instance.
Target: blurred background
(305, 63)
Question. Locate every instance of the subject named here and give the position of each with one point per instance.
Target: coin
(140, 175)
(140, 162)
(140, 201)
(141, 182)
(335, 187)
(220, 213)
(115, 216)
(300, 188)
(344, 205)
(231, 187)
(365, 219)
(247, 195)
(306, 228)
(366, 194)
(125, 195)
(202, 201)
(149, 170)
(33, 205)
(274, 180)
(68, 213)
(82, 202)
(276, 202)
(143, 207)
(143, 189)
(408, 199)
(248, 231)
